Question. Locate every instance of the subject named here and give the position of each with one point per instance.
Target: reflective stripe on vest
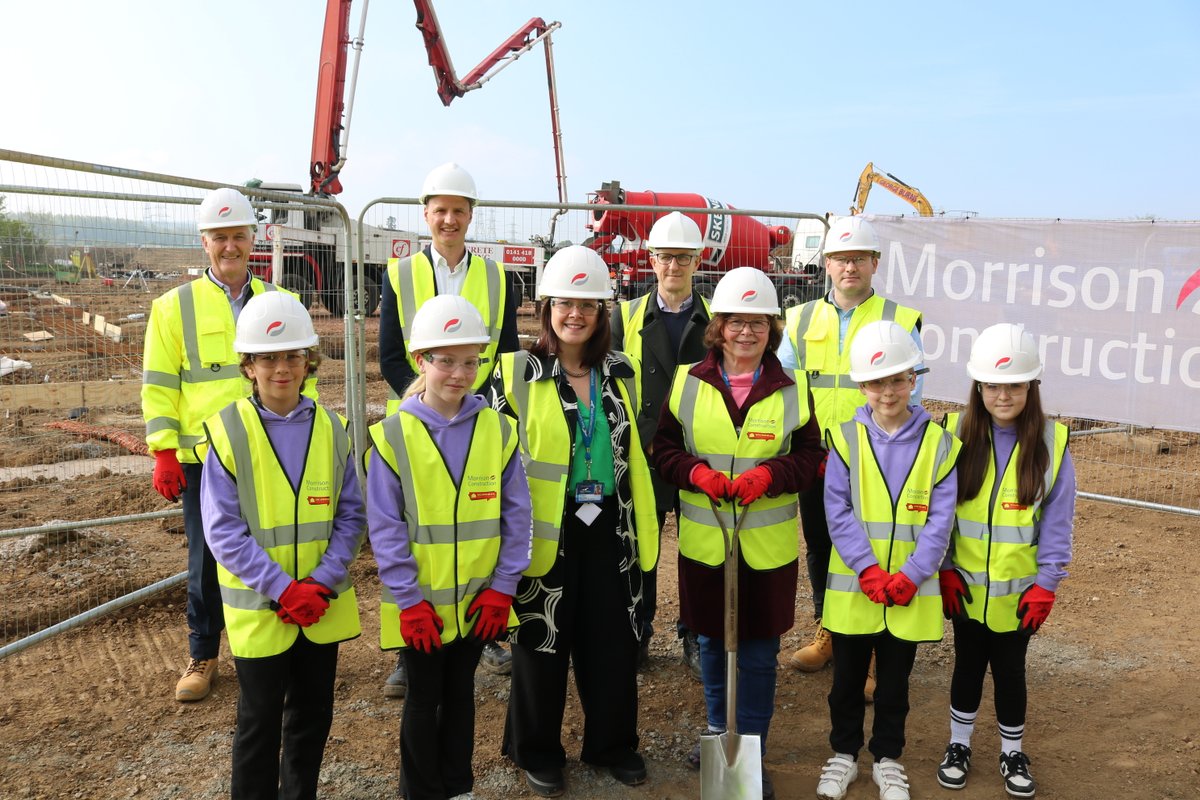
(292, 526)
(813, 329)
(453, 529)
(893, 530)
(995, 538)
(768, 538)
(633, 319)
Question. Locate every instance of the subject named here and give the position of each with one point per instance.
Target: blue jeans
(205, 616)
(756, 665)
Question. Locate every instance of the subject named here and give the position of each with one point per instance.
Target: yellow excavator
(894, 185)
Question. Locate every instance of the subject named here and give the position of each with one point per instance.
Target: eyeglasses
(293, 359)
(737, 325)
(845, 261)
(587, 308)
(1012, 389)
(896, 383)
(682, 259)
(449, 364)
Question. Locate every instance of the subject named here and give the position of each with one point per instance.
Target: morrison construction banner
(1115, 307)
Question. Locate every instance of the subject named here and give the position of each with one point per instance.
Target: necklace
(573, 374)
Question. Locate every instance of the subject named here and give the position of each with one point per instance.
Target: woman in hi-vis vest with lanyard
(1010, 546)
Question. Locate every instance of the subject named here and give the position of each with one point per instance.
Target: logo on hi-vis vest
(322, 500)
(919, 507)
(1004, 362)
(917, 500)
(481, 495)
(1014, 507)
(452, 325)
(224, 212)
(275, 328)
(762, 436)
(580, 279)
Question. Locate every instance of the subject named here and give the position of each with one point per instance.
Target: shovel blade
(730, 767)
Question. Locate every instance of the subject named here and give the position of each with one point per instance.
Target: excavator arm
(869, 177)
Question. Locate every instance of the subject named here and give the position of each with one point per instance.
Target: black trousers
(205, 614)
(817, 544)
(594, 634)
(976, 647)
(284, 700)
(437, 731)
(894, 660)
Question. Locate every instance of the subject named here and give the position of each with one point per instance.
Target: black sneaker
(643, 660)
(546, 782)
(397, 683)
(629, 770)
(952, 772)
(1014, 767)
(691, 653)
(496, 659)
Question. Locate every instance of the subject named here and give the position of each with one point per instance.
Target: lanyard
(725, 376)
(589, 430)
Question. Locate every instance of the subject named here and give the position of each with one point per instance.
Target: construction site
(92, 630)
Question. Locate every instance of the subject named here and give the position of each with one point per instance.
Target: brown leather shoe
(197, 680)
(815, 655)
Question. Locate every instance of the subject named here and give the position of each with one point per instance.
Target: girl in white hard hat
(890, 490)
(737, 430)
(450, 528)
(284, 518)
(1011, 544)
(594, 530)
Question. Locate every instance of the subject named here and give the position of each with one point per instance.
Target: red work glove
(874, 581)
(304, 601)
(955, 594)
(493, 609)
(715, 484)
(420, 626)
(168, 475)
(752, 484)
(900, 590)
(821, 466)
(1033, 607)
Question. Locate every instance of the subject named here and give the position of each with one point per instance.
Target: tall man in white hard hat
(444, 267)
(663, 329)
(190, 371)
(817, 340)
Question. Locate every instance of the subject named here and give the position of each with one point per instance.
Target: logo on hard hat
(225, 211)
(1004, 362)
(877, 359)
(275, 328)
(580, 279)
(452, 325)
(750, 296)
(846, 236)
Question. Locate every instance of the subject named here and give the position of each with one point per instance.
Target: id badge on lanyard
(589, 492)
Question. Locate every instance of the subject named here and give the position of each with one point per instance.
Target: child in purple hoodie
(451, 527)
(889, 498)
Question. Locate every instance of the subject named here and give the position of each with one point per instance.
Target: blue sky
(1014, 109)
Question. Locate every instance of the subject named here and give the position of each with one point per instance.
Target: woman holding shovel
(739, 439)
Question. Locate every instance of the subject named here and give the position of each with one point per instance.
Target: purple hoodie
(895, 455)
(389, 531)
(228, 535)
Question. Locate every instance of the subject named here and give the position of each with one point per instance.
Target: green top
(602, 455)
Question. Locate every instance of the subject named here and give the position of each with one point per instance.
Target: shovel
(730, 764)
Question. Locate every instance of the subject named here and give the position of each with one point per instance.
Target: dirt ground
(90, 713)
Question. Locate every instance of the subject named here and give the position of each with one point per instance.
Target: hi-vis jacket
(453, 528)
(895, 524)
(768, 536)
(294, 525)
(812, 328)
(996, 538)
(190, 370)
(413, 282)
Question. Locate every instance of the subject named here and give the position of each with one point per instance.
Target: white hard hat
(1004, 353)
(576, 271)
(225, 208)
(745, 290)
(847, 234)
(273, 322)
(446, 320)
(449, 179)
(676, 231)
(880, 349)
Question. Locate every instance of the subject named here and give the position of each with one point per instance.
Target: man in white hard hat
(444, 267)
(817, 337)
(663, 329)
(190, 371)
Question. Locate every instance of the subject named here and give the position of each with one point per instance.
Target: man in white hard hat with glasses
(663, 329)
(448, 195)
(817, 337)
(190, 371)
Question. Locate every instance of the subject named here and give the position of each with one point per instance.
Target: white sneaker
(889, 776)
(836, 776)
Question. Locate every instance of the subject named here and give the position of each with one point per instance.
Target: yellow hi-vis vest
(995, 538)
(893, 531)
(189, 368)
(453, 529)
(633, 318)
(292, 525)
(813, 330)
(547, 446)
(413, 282)
(768, 536)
